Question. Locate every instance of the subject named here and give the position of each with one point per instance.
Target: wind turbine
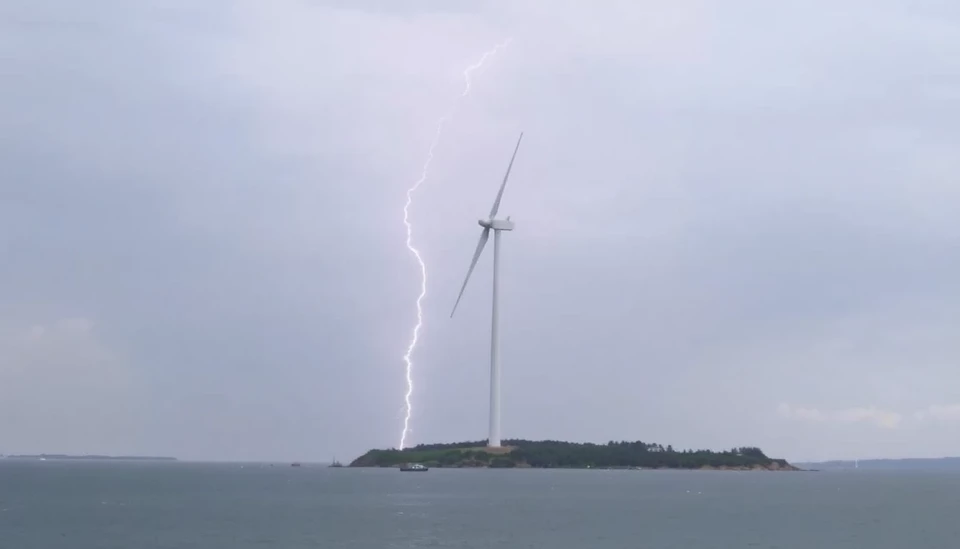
(497, 226)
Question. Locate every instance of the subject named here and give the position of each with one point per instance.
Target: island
(552, 454)
(902, 464)
(66, 457)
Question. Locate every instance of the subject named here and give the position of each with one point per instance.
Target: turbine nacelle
(497, 224)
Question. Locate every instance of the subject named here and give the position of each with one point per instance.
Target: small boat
(413, 467)
(295, 464)
(335, 463)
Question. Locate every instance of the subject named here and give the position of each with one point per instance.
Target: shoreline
(790, 469)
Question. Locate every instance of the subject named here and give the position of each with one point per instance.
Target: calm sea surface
(60, 505)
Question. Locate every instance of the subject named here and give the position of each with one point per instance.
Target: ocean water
(68, 505)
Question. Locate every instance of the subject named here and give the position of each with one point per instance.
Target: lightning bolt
(415, 338)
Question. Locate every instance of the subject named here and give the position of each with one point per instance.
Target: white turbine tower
(497, 226)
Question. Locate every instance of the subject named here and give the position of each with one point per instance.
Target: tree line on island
(557, 454)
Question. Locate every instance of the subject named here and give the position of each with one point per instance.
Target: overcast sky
(736, 224)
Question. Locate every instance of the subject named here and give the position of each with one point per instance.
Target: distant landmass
(915, 464)
(90, 457)
(569, 455)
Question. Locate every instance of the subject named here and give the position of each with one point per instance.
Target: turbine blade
(476, 256)
(496, 204)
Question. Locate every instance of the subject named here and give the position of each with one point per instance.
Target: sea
(112, 505)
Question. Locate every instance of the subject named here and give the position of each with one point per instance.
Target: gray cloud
(939, 412)
(62, 383)
(881, 418)
(720, 209)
